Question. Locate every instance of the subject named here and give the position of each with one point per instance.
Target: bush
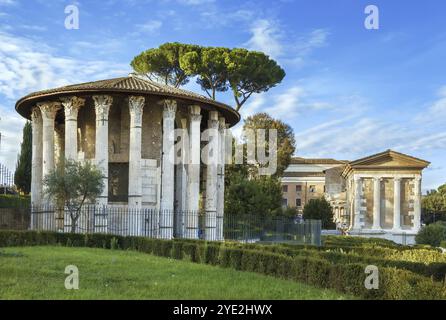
(432, 234)
(14, 201)
(320, 209)
(344, 272)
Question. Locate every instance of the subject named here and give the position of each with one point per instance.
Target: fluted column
(59, 145)
(168, 168)
(221, 178)
(36, 166)
(356, 224)
(102, 104)
(376, 203)
(71, 107)
(417, 204)
(211, 177)
(396, 203)
(193, 173)
(136, 105)
(48, 111)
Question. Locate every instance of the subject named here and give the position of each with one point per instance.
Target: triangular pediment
(390, 158)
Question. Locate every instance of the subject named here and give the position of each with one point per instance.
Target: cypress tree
(22, 175)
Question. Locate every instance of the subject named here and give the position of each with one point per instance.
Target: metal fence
(127, 221)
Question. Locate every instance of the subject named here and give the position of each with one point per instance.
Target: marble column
(193, 173)
(396, 203)
(136, 105)
(417, 204)
(376, 203)
(221, 178)
(181, 152)
(71, 108)
(168, 169)
(59, 145)
(48, 111)
(211, 177)
(36, 166)
(357, 202)
(102, 104)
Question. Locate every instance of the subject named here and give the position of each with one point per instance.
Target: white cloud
(27, 66)
(150, 27)
(266, 37)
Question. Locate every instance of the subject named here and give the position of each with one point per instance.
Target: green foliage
(320, 209)
(217, 69)
(72, 184)
(321, 267)
(286, 143)
(435, 201)
(209, 65)
(162, 64)
(432, 234)
(251, 72)
(261, 196)
(14, 201)
(22, 175)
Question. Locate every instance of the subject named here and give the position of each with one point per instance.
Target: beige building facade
(375, 196)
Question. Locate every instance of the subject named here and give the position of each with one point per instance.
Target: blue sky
(349, 91)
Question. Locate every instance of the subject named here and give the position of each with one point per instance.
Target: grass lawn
(38, 273)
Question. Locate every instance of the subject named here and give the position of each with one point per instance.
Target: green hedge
(317, 268)
(14, 201)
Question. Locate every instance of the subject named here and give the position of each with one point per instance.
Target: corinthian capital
(221, 123)
(136, 105)
(102, 105)
(49, 109)
(170, 107)
(194, 112)
(36, 115)
(71, 106)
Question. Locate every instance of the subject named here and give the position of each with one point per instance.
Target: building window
(285, 188)
(298, 202)
(312, 189)
(284, 202)
(298, 188)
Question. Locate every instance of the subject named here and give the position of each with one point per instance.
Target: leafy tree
(432, 234)
(22, 175)
(251, 72)
(74, 183)
(261, 196)
(217, 69)
(209, 64)
(162, 64)
(435, 201)
(286, 143)
(320, 209)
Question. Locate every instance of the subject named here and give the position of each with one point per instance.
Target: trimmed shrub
(344, 272)
(432, 234)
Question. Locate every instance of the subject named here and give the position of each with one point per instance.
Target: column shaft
(221, 179)
(397, 204)
(168, 168)
(136, 105)
(417, 204)
(376, 203)
(357, 202)
(102, 108)
(193, 173)
(71, 108)
(36, 167)
(211, 177)
(48, 111)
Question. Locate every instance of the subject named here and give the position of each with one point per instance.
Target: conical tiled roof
(130, 85)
